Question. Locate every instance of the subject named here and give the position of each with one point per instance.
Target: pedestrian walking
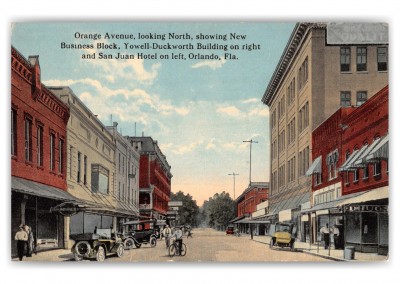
(325, 233)
(21, 237)
(336, 233)
(189, 232)
(30, 242)
(167, 233)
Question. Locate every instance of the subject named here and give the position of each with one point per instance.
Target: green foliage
(219, 210)
(188, 213)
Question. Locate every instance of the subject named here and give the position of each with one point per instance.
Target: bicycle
(173, 249)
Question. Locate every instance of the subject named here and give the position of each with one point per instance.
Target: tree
(188, 213)
(219, 210)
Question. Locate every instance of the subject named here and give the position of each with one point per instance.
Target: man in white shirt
(178, 234)
(336, 233)
(167, 233)
(22, 238)
(325, 234)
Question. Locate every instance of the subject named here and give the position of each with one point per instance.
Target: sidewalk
(54, 255)
(333, 254)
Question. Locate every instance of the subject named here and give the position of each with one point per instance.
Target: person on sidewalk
(30, 242)
(325, 234)
(167, 233)
(21, 237)
(336, 233)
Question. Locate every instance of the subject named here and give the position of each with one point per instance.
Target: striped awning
(361, 161)
(349, 165)
(315, 167)
(380, 152)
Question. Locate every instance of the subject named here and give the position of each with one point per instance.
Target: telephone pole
(234, 175)
(251, 141)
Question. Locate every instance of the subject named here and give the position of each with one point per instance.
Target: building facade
(350, 175)
(154, 178)
(316, 74)
(38, 154)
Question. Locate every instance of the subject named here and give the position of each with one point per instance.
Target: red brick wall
(250, 201)
(144, 179)
(45, 110)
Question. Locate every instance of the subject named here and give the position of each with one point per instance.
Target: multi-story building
(247, 203)
(91, 174)
(323, 67)
(154, 178)
(127, 172)
(350, 175)
(38, 154)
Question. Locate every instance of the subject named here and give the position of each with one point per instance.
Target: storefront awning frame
(315, 167)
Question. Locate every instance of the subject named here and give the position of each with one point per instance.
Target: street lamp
(251, 141)
(234, 175)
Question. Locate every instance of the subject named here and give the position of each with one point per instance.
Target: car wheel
(138, 245)
(77, 257)
(82, 248)
(184, 250)
(171, 250)
(129, 243)
(153, 242)
(120, 250)
(100, 254)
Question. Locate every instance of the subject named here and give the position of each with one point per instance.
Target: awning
(236, 219)
(361, 161)
(380, 152)
(252, 221)
(371, 195)
(349, 164)
(315, 167)
(38, 189)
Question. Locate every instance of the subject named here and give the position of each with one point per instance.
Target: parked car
(230, 230)
(136, 233)
(98, 245)
(282, 235)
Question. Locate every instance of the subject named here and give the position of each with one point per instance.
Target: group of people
(25, 242)
(326, 233)
(176, 234)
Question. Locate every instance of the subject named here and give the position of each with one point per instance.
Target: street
(208, 245)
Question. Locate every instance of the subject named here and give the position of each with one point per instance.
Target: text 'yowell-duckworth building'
(324, 66)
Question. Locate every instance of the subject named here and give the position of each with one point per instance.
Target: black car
(99, 245)
(136, 233)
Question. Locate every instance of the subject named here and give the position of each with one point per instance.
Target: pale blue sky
(200, 111)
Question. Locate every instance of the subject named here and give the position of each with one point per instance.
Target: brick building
(350, 175)
(38, 154)
(154, 178)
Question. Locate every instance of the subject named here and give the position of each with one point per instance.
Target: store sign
(66, 209)
(365, 208)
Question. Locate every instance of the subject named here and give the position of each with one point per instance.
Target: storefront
(31, 204)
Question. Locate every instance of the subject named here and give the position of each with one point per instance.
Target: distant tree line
(188, 213)
(217, 211)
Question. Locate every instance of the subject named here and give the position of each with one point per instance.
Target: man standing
(21, 237)
(167, 233)
(325, 233)
(336, 234)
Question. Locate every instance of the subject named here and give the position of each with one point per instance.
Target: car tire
(129, 243)
(184, 250)
(138, 245)
(100, 254)
(77, 257)
(171, 250)
(120, 250)
(82, 248)
(153, 242)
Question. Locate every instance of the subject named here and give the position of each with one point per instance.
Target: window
(52, 152)
(356, 175)
(302, 75)
(317, 178)
(304, 117)
(100, 179)
(332, 160)
(365, 172)
(84, 169)
(39, 145)
(28, 139)
(361, 59)
(119, 162)
(292, 131)
(377, 168)
(303, 161)
(382, 58)
(61, 156)
(290, 92)
(70, 160)
(291, 167)
(345, 98)
(13, 132)
(344, 59)
(78, 178)
(347, 173)
(361, 98)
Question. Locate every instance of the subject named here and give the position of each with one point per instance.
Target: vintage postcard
(199, 142)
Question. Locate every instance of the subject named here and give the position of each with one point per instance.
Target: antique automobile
(282, 235)
(136, 233)
(98, 245)
(230, 230)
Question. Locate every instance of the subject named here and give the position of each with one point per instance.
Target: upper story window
(345, 59)
(345, 98)
(304, 117)
(382, 56)
(361, 97)
(39, 145)
(52, 151)
(290, 92)
(84, 169)
(61, 156)
(302, 75)
(100, 179)
(13, 132)
(78, 178)
(361, 59)
(28, 139)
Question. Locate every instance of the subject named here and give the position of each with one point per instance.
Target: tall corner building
(324, 66)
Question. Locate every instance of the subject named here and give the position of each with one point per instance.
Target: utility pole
(251, 141)
(234, 175)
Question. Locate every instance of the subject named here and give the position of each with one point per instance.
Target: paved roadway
(208, 245)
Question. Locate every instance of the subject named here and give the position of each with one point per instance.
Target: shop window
(345, 98)
(100, 179)
(345, 59)
(361, 59)
(382, 55)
